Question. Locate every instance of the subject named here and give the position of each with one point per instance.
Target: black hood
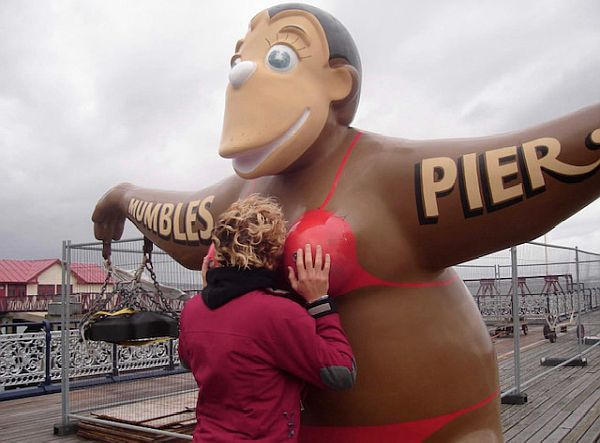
(225, 284)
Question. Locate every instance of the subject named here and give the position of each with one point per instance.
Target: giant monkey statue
(394, 214)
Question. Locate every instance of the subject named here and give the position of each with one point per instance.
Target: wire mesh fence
(152, 392)
(549, 280)
(557, 289)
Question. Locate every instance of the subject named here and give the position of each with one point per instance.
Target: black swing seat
(132, 328)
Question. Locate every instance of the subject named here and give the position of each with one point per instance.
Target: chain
(163, 303)
(129, 294)
(102, 300)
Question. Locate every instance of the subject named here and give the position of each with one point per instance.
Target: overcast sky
(93, 93)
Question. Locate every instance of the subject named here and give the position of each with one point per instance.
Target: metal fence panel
(547, 283)
(135, 397)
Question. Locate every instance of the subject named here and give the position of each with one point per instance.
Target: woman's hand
(207, 263)
(312, 282)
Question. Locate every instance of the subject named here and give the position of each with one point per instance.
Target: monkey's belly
(422, 354)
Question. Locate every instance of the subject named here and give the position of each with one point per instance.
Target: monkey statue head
(296, 71)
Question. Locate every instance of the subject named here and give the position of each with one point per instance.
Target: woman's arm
(313, 346)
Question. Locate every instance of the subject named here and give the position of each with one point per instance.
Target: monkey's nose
(241, 72)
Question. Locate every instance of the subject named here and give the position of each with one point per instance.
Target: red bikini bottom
(407, 432)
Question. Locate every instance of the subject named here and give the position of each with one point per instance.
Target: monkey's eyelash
(287, 34)
(278, 39)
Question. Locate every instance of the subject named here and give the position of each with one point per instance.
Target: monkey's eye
(281, 58)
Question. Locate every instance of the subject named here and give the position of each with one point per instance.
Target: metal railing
(33, 357)
(554, 284)
(552, 280)
(39, 303)
(26, 303)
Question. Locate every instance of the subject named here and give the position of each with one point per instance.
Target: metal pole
(64, 339)
(115, 360)
(171, 364)
(579, 329)
(546, 252)
(47, 356)
(497, 297)
(516, 321)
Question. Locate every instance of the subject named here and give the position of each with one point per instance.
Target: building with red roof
(44, 277)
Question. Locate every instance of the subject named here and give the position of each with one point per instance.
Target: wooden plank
(134, 414)
(592, 434)
(574, 388)
(557, 436)
(555, 399)
(527, 413)
(522, 432)
(115, 434)
(154, 412)
(163, 422)
(583, 397)
(534, 414)
(550, 426)
(576, 432)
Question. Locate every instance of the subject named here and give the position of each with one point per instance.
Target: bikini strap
(338, 174)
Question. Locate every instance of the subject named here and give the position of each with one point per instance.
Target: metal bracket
(514, 399)
(555, 361)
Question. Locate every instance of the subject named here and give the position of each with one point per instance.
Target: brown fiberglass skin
(415, 208)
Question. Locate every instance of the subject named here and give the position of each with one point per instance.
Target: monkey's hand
(110, 213)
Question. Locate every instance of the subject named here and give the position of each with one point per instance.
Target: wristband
(321, 306)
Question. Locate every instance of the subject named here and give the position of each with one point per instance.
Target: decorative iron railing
(34, 358)
(26, 303)
(22, 359)
(39, 303)
(539, 297)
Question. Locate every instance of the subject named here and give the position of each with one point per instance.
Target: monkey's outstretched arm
(180, 223)
(476, 196)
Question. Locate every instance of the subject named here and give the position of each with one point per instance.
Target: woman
(250, 349)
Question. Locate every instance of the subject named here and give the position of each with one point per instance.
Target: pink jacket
(251, 358)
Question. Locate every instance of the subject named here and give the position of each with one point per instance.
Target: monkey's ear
(341, 80)
(345, 89)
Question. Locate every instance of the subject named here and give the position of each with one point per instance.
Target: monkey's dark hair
(341, 44)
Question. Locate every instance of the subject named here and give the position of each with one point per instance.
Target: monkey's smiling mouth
(250, 160)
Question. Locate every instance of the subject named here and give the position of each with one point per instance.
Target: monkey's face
(279, 94)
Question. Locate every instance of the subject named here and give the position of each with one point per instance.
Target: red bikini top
(334, 234)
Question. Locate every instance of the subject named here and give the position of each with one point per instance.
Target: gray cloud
(96, 93)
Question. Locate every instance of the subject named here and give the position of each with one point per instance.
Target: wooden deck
(32, 419)
(564, 406)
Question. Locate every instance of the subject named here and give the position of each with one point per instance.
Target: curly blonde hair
(250, 233)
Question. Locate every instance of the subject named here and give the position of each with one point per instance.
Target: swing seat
(132, 328)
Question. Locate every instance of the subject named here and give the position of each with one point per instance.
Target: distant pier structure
(30, 290)
(551, 281)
